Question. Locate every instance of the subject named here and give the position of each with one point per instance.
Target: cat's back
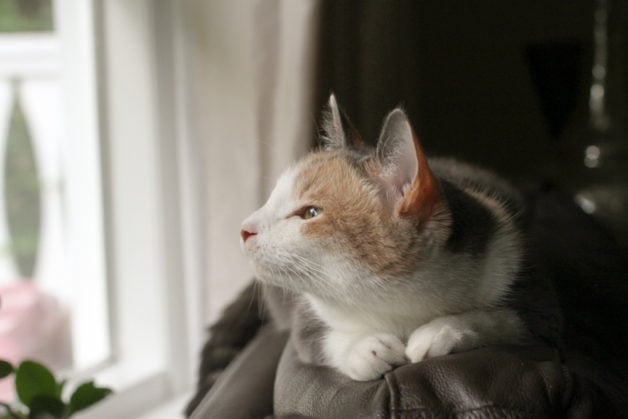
(478, 181)
(479, 184)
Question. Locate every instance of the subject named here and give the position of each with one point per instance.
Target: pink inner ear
(407, 173)
(423, 193)
(407, 168)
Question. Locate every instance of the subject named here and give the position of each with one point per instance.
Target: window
(105, 211)
(52, 260)
(153, 212)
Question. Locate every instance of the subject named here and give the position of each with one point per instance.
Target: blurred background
(135, 135)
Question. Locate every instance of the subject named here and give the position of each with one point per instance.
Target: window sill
(137, 390)
(172, 408)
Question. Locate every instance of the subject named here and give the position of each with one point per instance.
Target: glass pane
(35, 320)
(53, 292)
(21, 193)
(26, 16)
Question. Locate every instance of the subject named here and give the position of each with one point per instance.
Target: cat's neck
(359, 319)
(448, 284)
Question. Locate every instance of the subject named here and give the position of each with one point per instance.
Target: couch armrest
(495, 381)
(245, 388)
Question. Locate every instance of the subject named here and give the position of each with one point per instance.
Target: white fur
(364, 356)
(281, 255)
(418, 315)
(461, 332)
(280, 204)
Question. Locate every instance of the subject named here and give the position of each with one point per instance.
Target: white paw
(371, 356)
(439, 337)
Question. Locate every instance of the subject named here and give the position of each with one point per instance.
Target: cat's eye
(311, 212)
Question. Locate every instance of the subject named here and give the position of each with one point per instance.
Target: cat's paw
(372, 356)
(439, 337)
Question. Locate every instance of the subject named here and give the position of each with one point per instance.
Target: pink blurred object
(33, 325)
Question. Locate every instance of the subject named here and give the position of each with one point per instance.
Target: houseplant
(40, 393)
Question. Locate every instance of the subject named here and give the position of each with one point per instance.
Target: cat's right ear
(407, 175)
(337, 130)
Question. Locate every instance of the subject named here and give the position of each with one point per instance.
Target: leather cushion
(504, 382)
(245, 389)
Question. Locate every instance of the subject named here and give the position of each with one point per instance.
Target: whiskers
(294, 271)
(258, 296)
(338, 279)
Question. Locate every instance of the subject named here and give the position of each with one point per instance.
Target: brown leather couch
(251, 371)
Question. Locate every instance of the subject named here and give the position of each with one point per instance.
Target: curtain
(253, 69)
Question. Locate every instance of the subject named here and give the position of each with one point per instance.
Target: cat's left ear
(338, 131)
(408, 178)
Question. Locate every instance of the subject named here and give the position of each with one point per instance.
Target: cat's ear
(408, 178)
(338, 131)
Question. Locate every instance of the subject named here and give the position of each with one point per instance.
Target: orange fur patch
(355, 217)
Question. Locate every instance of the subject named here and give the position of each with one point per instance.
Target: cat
(376, 257)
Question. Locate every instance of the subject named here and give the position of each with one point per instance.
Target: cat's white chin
(263, 274)
(267, 275)
(249, 247)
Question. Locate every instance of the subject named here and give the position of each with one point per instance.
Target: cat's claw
(372, 356)
(438, 337)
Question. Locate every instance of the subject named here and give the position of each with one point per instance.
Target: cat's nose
(246, 234)
(249, 227)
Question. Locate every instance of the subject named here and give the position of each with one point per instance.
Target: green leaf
(46, 407)
(17, 415)
(8, 412)
(6, 368)
(86, 395)
(60, 385)
(34, 379)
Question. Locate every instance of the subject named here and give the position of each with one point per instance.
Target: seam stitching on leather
(458, 412)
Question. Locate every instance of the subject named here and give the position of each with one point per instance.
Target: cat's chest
(395, 319)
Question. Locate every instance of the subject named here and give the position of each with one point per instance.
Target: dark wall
(500, 84)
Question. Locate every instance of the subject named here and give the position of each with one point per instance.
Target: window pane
(26, 16)
(53, 301)
(21, 193)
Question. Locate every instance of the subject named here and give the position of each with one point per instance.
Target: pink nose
(246, 234)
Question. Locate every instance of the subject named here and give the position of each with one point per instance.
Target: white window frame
(83, 203)
(153, 195)
(55, 88)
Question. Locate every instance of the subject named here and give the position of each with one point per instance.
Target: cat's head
(349, 218)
